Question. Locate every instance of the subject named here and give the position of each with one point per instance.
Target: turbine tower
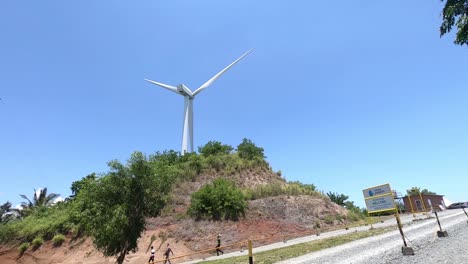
(189, 96)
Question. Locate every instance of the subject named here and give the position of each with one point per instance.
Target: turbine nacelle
(184, 90)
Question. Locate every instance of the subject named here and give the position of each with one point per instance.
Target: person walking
(218, 245)
(151, 259)
(166, 254)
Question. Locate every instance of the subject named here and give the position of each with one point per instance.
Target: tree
(413, 191)
(168, 157)
(339, 199)
(40, 200)
(78, 185)
(214, 148)
(113, 208)
(157, 179)
(426, 191)
(6, 212)
(248, 150)
(217, 201)
(417, 191)
(454, 13)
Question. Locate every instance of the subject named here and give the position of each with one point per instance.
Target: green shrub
(37, 242)
(329, 219)
(214, 148)
(354, 216)
(217, 201)
(42, 223)
(215, 162)
(248, 150)
(23, 247)
(340, 218)
(317, 224)
(58, 240)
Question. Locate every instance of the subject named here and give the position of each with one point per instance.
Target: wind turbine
(189, 96)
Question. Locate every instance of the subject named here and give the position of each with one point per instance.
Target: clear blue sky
(343, 94)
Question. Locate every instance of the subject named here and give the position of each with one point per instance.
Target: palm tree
(5, 212)
(40, 200)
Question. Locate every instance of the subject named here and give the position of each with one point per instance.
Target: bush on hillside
(42, 223)
(23, 247)
(217, 201)
(37, 242)
(354, 216)
(214, 148)
(167, 157)
(58, 240)
(248, 150)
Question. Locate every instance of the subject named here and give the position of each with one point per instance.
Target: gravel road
(386, 248)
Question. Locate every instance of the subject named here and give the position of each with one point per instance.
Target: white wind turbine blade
(169, 87)
(210, 81)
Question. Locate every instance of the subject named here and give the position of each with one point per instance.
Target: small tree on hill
(113, 208)
(248, 150)
(217, 201)
(214, 148)
(339, 199)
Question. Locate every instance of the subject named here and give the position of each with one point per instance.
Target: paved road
(407, 221)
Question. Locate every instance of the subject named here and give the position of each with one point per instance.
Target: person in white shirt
(153, 252)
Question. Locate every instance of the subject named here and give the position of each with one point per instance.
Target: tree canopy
(5, 212)
(455, 13)
(78, 185)
(112, 208)
(248, 150)
(214, 148)
(339, 199)
(417, 191)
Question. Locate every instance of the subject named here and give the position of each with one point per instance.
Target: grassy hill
(162, 189)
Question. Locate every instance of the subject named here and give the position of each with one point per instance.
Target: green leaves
(455, 13)
(6, 212)
(417, 191)
(248, 150)
(217, 201)
(214, 148)
(339, 199)
(112, 208)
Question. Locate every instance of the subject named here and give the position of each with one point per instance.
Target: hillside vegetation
(217, 184)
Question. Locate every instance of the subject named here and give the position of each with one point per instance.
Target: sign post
(464, 212)
(411, 205)
(440, 233)
(380, 199)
